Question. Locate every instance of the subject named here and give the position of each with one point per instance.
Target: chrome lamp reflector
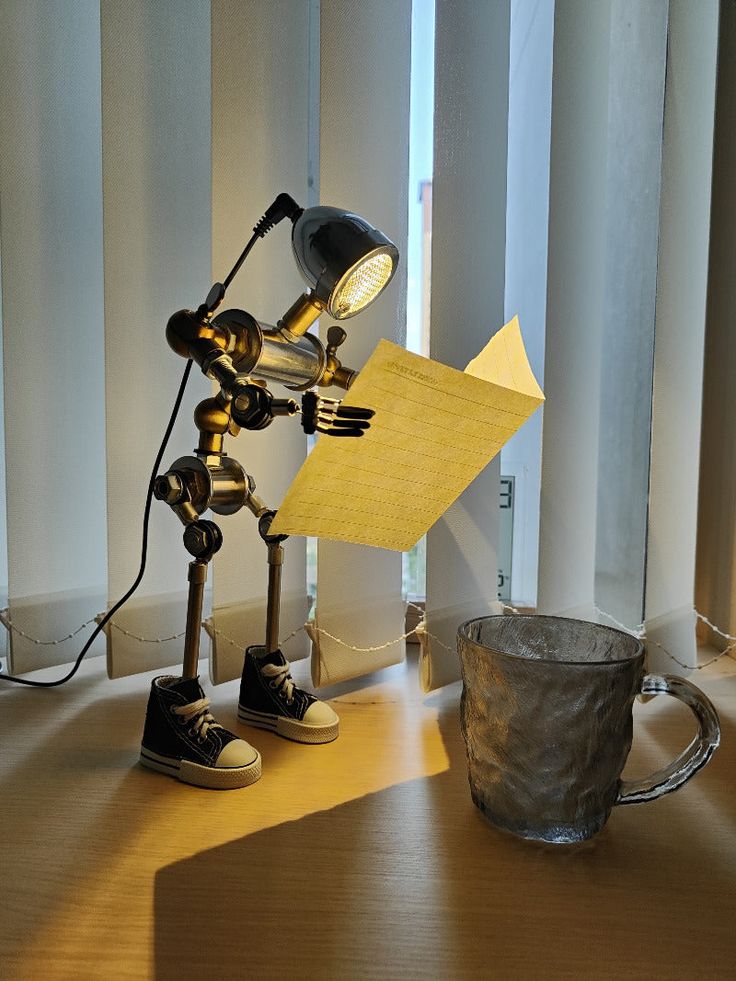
(345, 260)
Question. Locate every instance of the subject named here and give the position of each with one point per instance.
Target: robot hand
(331, 417)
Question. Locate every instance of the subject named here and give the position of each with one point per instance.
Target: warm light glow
(361, 286)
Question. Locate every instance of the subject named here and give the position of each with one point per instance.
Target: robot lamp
(345, 260)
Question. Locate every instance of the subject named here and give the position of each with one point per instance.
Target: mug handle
(696, 755)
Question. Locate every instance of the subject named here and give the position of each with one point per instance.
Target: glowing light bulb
(361, 285)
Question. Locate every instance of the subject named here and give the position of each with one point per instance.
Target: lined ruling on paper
(434, 430)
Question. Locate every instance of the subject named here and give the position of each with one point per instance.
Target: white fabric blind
(574, 302)
(51, 229)
(468, 249)
(364, 165)
(156, 184)
(527, 215)
(260, 146)
(637, 63)
(618, 511)
(687, 160)
(142, 140)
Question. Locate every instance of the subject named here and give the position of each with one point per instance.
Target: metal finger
(348, 423)
(329, 431)
(355, 412)
(324, 403)
(325, 414)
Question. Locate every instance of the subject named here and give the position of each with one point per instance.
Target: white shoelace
(280, 679)
(196, 713)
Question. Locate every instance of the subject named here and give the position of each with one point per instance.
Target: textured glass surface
(546, 716)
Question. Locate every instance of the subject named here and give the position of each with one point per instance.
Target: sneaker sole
(211, 777)
(298, 732)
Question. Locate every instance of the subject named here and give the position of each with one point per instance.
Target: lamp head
(345, 260)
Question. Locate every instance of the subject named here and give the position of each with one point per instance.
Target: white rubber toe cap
(320, 714)
(237, 753)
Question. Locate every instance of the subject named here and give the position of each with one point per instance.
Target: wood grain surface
(361, 859)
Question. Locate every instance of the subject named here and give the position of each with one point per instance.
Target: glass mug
(546, 715)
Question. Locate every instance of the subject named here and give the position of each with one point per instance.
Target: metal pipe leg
(197, 580)
(273, 609)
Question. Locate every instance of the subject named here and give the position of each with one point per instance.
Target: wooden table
(361, 859)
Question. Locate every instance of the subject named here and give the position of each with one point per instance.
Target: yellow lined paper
(434, 430)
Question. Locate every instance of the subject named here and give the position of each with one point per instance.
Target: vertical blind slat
(687, 160)
(467, 304)
(575, 289)
(527, 213)
(364, 165)
(52, 321)
(633, 181)
(156, 181)
(618, 512)
(607, 115)
(260, 146)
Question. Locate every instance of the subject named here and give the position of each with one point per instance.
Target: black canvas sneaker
(269, 699)
(181, 738)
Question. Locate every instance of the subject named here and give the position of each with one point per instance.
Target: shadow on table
(412, 882)
(62, 758)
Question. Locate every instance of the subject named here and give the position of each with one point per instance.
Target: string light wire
(420, 630)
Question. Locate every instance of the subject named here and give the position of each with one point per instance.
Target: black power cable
(283, 207)
(144, 553)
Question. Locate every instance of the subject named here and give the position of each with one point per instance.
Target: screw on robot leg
(202, 539)
(264, 527)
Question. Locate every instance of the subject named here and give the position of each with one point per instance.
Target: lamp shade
(345, 260)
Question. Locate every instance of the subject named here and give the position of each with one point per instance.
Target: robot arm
(234, 347)
(254, 407)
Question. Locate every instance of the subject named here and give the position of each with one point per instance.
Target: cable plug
(283, 207)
